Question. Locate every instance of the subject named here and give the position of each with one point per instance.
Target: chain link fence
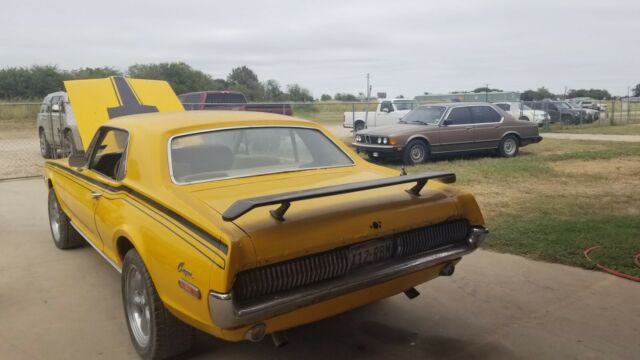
(21, 147)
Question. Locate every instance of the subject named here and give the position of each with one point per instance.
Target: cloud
(408, 46)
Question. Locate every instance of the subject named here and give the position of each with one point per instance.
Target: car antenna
(403, 171)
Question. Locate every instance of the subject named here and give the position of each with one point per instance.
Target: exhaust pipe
(412, 293)
(279, 339)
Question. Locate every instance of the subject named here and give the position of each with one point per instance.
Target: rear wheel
(68, 149)
(64, 235)
(45, 148)
(415, 152)
(508, 146)
(154, 331)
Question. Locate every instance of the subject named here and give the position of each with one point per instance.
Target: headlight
(384, 140)
(358, 138)
(379, 140)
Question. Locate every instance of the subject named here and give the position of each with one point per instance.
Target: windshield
(405, 105)
(220, 154)
(424, 115)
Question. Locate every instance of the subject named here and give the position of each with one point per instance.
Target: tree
(325, 97)
(540, 94)
(485, 89)
(636, 90)
(297, 93)
(598, 94)
(94, 73)
(246, 81)
(345, 97)
(182, 77)
(32, 82)
(272, 91)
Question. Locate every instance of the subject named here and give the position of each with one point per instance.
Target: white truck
(387, 112)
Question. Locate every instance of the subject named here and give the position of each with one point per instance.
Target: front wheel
(154, 331)
(64, 235)
(45, 148)
(415, 152)
(508, 146)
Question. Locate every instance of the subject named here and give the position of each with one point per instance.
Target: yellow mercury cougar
(243, 224)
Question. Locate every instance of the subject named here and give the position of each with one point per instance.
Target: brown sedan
(447, 128)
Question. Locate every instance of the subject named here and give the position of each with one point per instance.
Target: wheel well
(523, 118)
(359, 122)
(515, 136)
(421, 139)
(123, 245)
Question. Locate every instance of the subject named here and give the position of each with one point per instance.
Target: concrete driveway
(66, 305)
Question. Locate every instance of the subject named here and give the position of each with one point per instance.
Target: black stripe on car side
(172, 214)
(132, 203)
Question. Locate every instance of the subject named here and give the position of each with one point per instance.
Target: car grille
(368, 139)
(332, 264)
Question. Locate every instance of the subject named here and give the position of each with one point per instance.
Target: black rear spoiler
(241, 207)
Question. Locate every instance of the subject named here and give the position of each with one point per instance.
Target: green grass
(631, 129)
(556, 199)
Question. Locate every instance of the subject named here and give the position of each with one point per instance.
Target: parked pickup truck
(229, 100)
(388, 112)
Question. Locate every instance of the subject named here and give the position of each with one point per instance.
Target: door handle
(469, 127)
(95, 195)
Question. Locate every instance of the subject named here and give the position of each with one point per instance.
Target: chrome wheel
(417, 153)
(138, 306)
(55, 219)
(509, 147)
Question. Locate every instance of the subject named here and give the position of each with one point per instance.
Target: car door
(457, 130)
(108, 166)
(487, 127)
(385, 114)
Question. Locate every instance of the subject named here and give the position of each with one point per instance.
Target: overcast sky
(409, 47)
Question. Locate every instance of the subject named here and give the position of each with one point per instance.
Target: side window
(460, 116)
(108, 157)
(386, 105)
(505, 107)
(485, 114)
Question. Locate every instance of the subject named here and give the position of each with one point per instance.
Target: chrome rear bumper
(226, 314)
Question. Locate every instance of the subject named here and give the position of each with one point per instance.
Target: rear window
(225, 98)
(220, 154)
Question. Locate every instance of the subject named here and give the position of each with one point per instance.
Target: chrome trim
(115, 266)
(376, 146)
(173, 180)
(225, 313)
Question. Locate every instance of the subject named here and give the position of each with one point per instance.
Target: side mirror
(77, 160)
(55, 108)
(447, 122)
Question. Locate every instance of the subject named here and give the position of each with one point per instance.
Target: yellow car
(245, 224)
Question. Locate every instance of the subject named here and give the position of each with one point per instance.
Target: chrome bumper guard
(226, 314)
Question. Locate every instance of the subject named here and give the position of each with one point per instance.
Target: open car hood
(94, 102)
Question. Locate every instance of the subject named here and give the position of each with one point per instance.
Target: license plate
(370, 252)
(376, 154)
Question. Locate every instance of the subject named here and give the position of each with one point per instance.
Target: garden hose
(636, 259)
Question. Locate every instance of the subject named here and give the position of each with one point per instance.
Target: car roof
(185, 121)
(458, 104)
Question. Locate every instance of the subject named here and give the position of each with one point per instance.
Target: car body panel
(180, 234)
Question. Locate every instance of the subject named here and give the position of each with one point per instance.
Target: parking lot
(66, 305)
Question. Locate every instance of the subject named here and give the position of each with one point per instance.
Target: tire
(64, 235)
(416, 152)
(69, 149)
(154, 331)
(45, 147)
(509, 146)
(359, 125)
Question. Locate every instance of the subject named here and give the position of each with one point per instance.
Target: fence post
(613, 112)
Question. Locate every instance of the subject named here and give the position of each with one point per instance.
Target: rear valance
(241, 207)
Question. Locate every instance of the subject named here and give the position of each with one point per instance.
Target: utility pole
(368, 87)
(366, 112)
(486, 93)
(564, 95)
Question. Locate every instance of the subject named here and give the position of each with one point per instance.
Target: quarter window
(460, 116)
(386, 105)
(485, 114)
(108, 157)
